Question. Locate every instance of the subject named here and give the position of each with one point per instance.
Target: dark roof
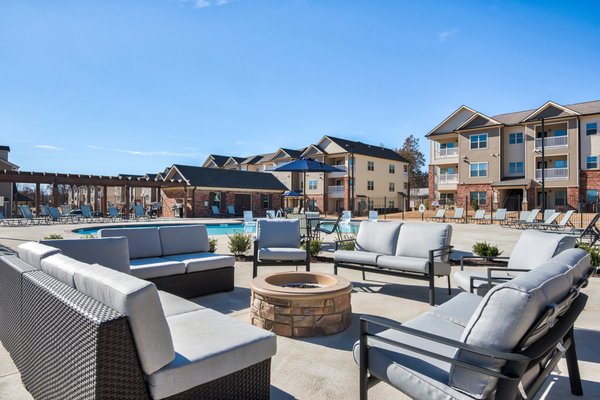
(4, 148)
(238, 160)
(131, 176)
(225, 178)
(368, 149)
(219, 160)
(293, 153)
(252, 159)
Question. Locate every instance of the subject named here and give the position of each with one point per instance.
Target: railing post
(384, 207)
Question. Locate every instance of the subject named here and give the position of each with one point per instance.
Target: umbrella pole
(304, 205)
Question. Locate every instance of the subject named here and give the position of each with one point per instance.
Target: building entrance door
(243, 202)
(513, 200)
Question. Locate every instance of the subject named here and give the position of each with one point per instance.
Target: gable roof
(560, 111)
(4, 148)
(226, 178)
(448, 118)
(217, 159)
(367, 149)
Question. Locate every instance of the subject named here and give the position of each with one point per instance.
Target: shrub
(594, 253)
(87, 236)
(212, 244)
(475, 205)
(485, 249)
(316, 246)
(239, 243)
(53, 236)
(426, 203)
(347, 245)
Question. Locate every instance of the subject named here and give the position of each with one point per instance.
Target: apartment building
(380, 175)
(497, 160)
(7, 189)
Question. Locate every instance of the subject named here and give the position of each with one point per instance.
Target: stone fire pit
(301, 303)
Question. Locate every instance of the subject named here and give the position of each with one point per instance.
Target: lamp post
(351, 146)
(543, 168)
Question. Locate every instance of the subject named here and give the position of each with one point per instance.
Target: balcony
(447, 179)
(447, 152)
(552, 174)
(552, 142)
(335, 191)
(340, 174)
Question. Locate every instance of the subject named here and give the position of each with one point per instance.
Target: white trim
(463, 107)
(487, 169)
(478, 114)
(487, 140)
(170, 174)
(312, 146)
(548, 104)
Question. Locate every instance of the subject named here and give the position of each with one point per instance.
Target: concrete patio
(323, 368)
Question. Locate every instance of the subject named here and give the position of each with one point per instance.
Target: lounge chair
(114, 215)
(550, 220)
(459, 215)
(56, 216)
(216, 212)
(499, 215)
(231, 212)
(87, 215)
(44, 211)
(271, 214)
(346, 217)
(479, 216)
(249, 219)
(373, 215)
(296, 210)
(278, 242)
(588, 235)
(439, 215)
(139, 212)
(531, 217)
(27, 214)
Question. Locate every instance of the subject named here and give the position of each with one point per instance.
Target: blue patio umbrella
(304, 165)
(291, 193)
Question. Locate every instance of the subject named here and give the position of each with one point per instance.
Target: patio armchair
(249, 218)
(328, 230)
(459, 215)
(278, 242)
(439, 215)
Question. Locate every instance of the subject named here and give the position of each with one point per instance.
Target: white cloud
(210, 3)
(444, 36)
(48, 147)
(149, 153)
(202, 4)
(222, 2)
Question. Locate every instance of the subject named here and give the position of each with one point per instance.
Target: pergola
(79, 180)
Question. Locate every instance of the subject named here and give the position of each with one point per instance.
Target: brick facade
(463, 192)
(588, 180)
(431, 185)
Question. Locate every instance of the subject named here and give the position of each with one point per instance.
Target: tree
(410, 150)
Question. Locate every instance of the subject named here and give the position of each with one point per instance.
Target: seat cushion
(33, 253)
(579, 260)
(155, 267)
(205, 261)
(205, 353)
(415, 240)
(416, 375)
(62, 268)
(356, 257)
(138, 300)
(377, 237)
(183, 239)
(175, 305)
(535, 248)
(459, 309)
(413, 264)
(463, 280)
(109, 252)
(281, 253)
(142, 242)
(278, 233)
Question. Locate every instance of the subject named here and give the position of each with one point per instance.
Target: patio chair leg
(431, 291)
(364, 276)
(573, 367)
(449, 289)
(254, 269)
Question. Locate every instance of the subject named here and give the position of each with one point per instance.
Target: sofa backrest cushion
(108, 252)
(138, 300)
(142, 242)
(415, 240)
(535, 248)
(278, 233)
(62, 268)
(33, 253)
(183, 239)
(377, 237)
(503, 318)
(579, 260)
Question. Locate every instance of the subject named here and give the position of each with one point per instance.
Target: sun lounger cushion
(534, 248)
(377, 237)
(33, 253)
(209, 345)
(281, 253)
(108, 252)
(413, 264)
(279, 233)
(503, 318)
(138, 300)
(175, 305)
(356, 257)
(155, 267)
(62, 268)
(195, 262)
(183, 239)
(143, 242)
(415, 240)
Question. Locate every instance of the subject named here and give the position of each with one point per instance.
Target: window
(312, 185)
(215, 199)
(405, 185)
(592, 162)
(479, 197)
(449, 145)
(515, 138)
(478, 169)
(560, 198)
(392, 187)
(560, 164)
(405, 168)
(370, 165)
(266, 201)
(591, 196)
(515, 168)
(371, 204)
(392, 169)
(479, 141)
(591, 128)
(391, 204)
(560, 132)
(446, 198)
(370, 185)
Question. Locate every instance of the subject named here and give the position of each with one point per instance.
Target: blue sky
(124, 86)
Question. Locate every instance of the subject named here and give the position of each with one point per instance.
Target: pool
(213, 229)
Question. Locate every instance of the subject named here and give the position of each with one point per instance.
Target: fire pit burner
(302, 285)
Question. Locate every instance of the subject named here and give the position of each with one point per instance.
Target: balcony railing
(335, 189)
(554, 141)
(445, 179)
(552, 173)
(447, 152)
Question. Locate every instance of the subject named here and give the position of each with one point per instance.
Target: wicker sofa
(77, 330)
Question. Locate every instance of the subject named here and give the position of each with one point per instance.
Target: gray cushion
(33, 253)
(62, 268)
(377, 237)
(195, 262)
(281, 253)
(138, 300)
(416, 375)
(534, 248)
(209, 345)
(108, 252)
(183, 239)
(278, 233)
(415, 240)
(175, 305)
(413, 264)
(356, 257)
(579, 260)
(459, 309)
(142, 242)
(481, 286)
(503, 318)
(155, 267)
